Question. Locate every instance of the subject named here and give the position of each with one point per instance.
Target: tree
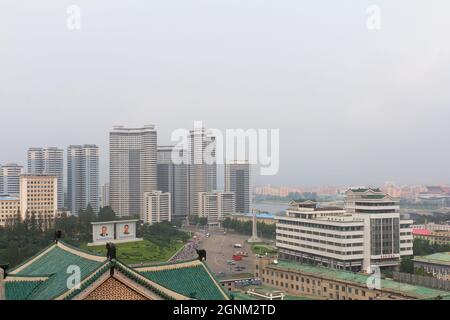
(106, 214)
(406, 265)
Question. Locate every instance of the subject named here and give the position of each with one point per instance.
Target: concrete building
(9, 209)
(237, 180)
(216, 205)
(82, 177)
(436, 264)
(368, 233)
(314, 281)
(133, 168)
(48, 161)
(9, 179)
(104, 197)
(38, 196)
(202, 166)
(174, 178)
(432, 237)
(158, 207)
(387, 235)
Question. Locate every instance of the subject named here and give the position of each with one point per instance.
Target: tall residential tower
(82, 177)
(133, 168)
(237, 180)
(202, 167)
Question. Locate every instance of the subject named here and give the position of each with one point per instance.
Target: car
(237, 245)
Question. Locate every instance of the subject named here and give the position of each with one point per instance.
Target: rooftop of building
(44, 276)
(361, 279)
(362, 190)
(442, 258)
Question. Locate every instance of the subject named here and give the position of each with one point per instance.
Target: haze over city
(353, 106)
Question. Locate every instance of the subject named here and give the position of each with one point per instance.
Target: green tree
(106, 214)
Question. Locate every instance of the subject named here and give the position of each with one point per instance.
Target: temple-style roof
(195, 275)
(45, 276)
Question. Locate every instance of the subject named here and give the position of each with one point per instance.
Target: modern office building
(38, 196)
(216, 205)
(174, 178)
(82, 177)
(48, 161)
(387, 234)
(9, 209)
(237, 180)
(158, 207)
(368, 233)
(202, 166)
(104, 197)
(9, 179)
(133, 168)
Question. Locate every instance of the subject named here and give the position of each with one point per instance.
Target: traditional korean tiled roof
(192, 279)
(44, 277)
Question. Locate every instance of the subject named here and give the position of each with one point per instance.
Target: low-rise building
(302, 279)
(38, 196)
(432, 237)
(436, 264)
(9, 209)
(157, 207)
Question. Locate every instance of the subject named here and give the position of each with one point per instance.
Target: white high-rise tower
(133, 168)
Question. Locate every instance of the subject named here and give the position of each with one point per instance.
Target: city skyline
(345, 98)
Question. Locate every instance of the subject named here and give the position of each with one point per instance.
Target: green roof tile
(194, 282)
(20, 290)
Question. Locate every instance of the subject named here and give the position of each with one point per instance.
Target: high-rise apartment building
(157, 207)
(368, 233)
(237, 180)
(216, 205)
(9, 179)
(133, 168)
(48, 161)
(104, 197)
(202, 166)
(174, 178)
(38, 196)
(82, 177)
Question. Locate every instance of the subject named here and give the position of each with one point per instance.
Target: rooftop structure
(44, 277)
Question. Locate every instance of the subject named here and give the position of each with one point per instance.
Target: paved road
(219, 249)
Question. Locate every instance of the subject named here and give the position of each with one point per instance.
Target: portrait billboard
(103, 232)
(125, 230)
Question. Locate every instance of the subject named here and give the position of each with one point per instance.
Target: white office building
(369, 232)
(133, 168)
(157, 207)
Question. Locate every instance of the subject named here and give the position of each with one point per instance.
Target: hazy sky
(354, 106)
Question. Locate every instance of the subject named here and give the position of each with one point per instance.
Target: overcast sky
(354, 106)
